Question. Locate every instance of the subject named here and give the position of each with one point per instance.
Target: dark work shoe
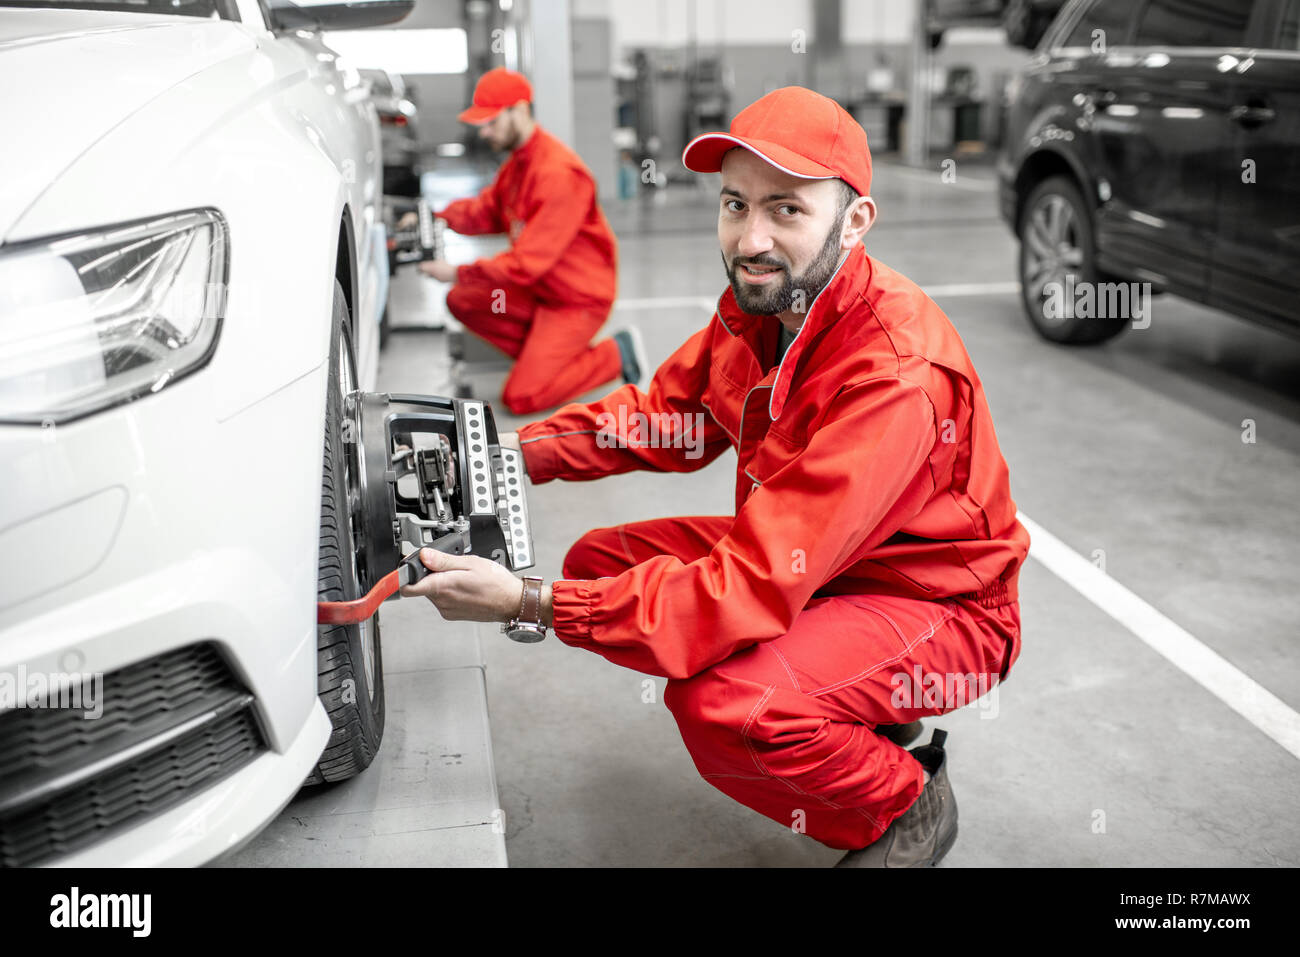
(631, 353)
(901, 734)
(923, 834)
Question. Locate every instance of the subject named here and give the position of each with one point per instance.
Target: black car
(1155, 146)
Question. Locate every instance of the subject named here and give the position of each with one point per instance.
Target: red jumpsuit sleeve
(862, 476)
(666, 429)
(477, 215)
(547, 235)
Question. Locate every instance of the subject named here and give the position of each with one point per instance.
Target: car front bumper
(141, 531)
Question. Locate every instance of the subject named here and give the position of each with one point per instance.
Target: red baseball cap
(796, 130)
(496, 89)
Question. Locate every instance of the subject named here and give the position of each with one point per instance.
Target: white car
(192, 273)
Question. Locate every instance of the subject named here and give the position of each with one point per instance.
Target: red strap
(355, 612)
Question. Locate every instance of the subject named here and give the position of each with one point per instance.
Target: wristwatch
(528, 626)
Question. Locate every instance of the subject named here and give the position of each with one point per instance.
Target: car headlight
(93, 320)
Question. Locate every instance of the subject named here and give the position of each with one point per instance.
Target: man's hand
(467, 587)
(509, 440)
(408, 221)
(439, 269)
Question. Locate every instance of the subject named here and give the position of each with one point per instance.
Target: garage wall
(760, 54)
(677, 22)
(757, 54)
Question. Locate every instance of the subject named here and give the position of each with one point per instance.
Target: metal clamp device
(434, 474)
(425, 242)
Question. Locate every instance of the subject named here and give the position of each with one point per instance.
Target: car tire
(1056, 243)
(350, 678)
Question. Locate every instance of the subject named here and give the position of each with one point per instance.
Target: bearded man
(874, 552)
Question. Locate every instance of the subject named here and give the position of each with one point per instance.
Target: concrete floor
(1101, 752)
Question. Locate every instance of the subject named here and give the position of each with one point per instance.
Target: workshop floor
(1100, 750)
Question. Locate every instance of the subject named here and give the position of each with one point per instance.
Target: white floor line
(1207, 668)
(972, 289)
(668, 302)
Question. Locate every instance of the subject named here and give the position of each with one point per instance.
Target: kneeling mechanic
(874, 550)
(543, 299)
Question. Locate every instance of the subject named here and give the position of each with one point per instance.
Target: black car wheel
(350, 679)
(1058, 262)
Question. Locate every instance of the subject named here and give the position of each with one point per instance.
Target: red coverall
(541, 301)
(874, 536)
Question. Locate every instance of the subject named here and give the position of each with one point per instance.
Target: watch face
(524, 632)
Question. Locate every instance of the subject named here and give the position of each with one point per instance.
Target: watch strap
(530, 606)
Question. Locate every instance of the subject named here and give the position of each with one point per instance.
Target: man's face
(780, 234)
(502, 131)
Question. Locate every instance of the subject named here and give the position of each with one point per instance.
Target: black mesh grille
(132, 697)
(40, 746)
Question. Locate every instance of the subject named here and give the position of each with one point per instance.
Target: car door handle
(1251, 114)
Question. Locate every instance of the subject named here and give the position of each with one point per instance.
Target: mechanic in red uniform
(542, 300)
(875, 549)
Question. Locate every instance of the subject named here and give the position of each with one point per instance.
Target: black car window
(1111, 17)
(1288, 36)
(1193, 23)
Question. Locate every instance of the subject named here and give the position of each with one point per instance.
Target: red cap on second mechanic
(496, 89)
(796, 130)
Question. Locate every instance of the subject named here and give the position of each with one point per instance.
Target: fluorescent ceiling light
(408, 52)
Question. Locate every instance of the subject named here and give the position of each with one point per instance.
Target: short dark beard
(800, 290)
(512, 140)
(516, 134)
